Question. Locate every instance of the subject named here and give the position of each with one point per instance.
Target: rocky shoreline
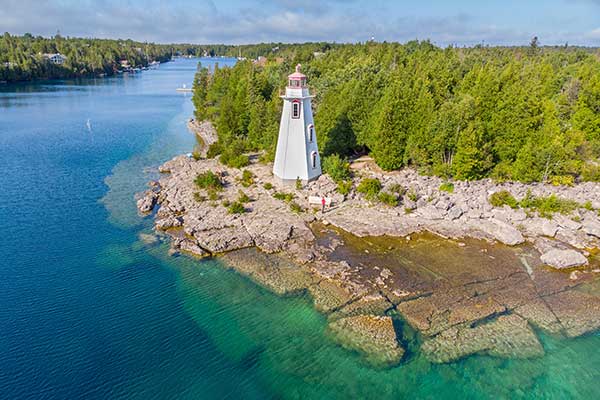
(365, 265)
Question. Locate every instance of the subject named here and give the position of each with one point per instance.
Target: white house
(297, 151)
(56, 58)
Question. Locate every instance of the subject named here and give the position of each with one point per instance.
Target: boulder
(501, 231)
(455, 213)
(147, 202)
(561, 259)
(592, 227)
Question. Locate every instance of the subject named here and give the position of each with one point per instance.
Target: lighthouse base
(292, 182)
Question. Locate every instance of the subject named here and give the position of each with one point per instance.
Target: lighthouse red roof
(297, 74)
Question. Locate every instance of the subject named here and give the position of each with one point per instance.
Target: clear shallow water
(88, 311)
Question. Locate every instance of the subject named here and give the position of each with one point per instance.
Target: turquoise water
(89, 311)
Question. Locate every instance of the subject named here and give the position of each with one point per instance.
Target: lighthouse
(297, 154)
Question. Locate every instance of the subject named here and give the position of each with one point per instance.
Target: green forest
(526, 113)
(21, 57)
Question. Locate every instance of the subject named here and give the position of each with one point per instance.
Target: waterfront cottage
(56, 58)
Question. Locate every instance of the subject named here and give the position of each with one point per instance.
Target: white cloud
(205, 21)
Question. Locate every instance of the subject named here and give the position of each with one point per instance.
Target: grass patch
(397, 188)
(243, 197)
(268, 185)
(247, 178)
(213, 195)
(412, 195)
(287, 197)
(447, 187)
(295, 207)
(389, 199)
(370, 187)
(236, 208)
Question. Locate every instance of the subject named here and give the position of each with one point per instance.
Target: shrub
(298, 184)
(566, 180)
(247, 178)
(370, 187)
(196, 155)
(295, 207)
(344, 187)
(226, 203)
(234, 160)
(588, 206)
(214, 150)
(243, 197)
(268, 185)
(236, 208)
(590, 172)
(287, 197)
(547, 206)
(337, 167)
(208, 180)
(503, 197)
(447, 187)
(389, 199)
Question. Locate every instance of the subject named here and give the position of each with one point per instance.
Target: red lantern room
(297, 79)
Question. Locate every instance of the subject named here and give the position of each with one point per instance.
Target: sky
(458, 22)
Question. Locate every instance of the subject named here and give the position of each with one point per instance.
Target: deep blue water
(87, 310)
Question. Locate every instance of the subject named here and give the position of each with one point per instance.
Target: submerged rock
(508, 336)
(373, 336)
(564, 258)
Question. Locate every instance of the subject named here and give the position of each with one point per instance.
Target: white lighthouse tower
(297, 152)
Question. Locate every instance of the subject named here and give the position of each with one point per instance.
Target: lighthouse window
(311, 133)
(313, 156)
(296, 109)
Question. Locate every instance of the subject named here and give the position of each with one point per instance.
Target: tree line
(21, 57)
(528, 113)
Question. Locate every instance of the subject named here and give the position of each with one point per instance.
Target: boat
(184, 88)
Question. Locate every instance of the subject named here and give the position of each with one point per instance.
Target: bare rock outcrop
(564, 258)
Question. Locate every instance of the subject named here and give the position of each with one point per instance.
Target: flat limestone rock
(561, 259)
(329, 295)
(577, 311)
(508, 336)
(272, 271)
(540, 315)
(373, 336)
(374, 304)
(447, 308)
